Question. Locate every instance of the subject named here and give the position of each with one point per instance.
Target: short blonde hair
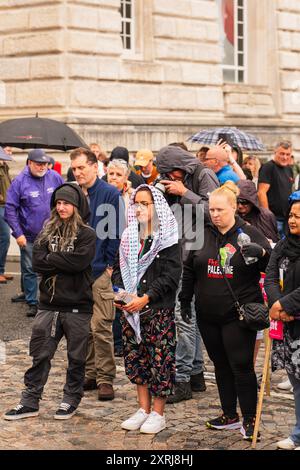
(229, 190)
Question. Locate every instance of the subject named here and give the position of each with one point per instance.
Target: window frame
(236, 68)
(132, 22)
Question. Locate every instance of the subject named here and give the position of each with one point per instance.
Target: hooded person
(185, 176)
(249, 209)
(149, 269)
(62, 255)
(186, 180)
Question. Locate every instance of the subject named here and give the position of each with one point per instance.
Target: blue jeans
(29, 277)
(4, 240)
(281, 227)
(189, 357)
(295, 434)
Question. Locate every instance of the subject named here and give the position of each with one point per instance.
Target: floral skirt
(152, 361)
(286, 354)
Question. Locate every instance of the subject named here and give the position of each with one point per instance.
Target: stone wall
(65, 59)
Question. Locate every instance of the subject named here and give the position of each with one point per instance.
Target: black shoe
(247, 430)
(20, 412)
(118, 353)
(182, 392)
(32, 310)
(65, 411)
(18, 298)
(224, 422)
(90, 384)
(198, 383)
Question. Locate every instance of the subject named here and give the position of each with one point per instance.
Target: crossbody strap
(236, 302)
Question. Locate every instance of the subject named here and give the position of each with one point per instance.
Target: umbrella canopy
(39, 132)
(242, 139)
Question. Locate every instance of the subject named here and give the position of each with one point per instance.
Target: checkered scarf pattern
(133, 268)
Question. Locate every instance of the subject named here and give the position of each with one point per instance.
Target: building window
(127, 32)
(233, 16)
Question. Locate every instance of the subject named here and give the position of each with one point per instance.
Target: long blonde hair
(67, 231)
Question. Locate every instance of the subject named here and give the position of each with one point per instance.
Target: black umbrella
(39, 132)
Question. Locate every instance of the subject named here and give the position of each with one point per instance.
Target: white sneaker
(135, 421)
(154, 423)
(286, 385)
(286, 444)
(297, 448)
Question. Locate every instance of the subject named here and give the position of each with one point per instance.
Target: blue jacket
(28, 202)
(108, 225)
(226, 173)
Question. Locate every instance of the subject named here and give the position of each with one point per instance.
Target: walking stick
(262, 391)
(268, 378)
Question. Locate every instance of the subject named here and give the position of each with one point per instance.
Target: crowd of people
(119, 275)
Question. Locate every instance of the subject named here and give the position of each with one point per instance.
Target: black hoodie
(203, 276)
(263, 219)
(66, 283)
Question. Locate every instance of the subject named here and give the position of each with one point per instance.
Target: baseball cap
(143, 157)
(38, 156)
(4, 156)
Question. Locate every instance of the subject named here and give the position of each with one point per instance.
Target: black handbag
(252, 315)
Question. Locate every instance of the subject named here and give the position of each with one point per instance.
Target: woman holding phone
(149, 269)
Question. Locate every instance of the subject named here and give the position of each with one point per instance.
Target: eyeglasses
(243, 202)
(141, 205)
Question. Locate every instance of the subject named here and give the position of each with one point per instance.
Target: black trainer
(65, 411)
(224, 422)
(183, 391)
(198, 383)
(247, 430)
(18, 298)
(32, 310)
(20, 412)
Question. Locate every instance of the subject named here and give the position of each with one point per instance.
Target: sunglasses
(243, 202)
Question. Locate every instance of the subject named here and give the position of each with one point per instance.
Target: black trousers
(48, 329)
(231, 347)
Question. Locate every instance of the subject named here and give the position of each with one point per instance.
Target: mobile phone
(226, 138)
(120, 302)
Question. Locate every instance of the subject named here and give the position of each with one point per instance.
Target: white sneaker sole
(23, 416)
(228, 426)
(131, 428)
(246, 438)
(64, 417)
(146, 431)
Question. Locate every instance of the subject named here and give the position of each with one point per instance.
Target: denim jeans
(295, 434)
(4, 240)
(29, 277)
(189, 357)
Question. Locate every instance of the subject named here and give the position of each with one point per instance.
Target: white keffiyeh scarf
(133, 268)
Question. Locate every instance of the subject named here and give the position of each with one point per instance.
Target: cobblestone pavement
(96, 426)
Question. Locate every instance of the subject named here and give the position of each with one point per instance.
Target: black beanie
(120, 153)
(68, 194)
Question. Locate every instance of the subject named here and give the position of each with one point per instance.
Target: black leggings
(231, 349)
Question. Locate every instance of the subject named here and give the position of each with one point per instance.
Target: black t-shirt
(281, 181)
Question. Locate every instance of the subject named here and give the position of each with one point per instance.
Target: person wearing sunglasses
(249, 209)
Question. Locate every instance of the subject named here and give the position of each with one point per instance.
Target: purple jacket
(28, 202)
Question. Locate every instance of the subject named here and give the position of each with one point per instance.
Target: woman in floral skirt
(149, 269)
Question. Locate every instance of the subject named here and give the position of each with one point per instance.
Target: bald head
(218, 153)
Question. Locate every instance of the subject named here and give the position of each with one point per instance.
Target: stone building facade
(65, 59)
